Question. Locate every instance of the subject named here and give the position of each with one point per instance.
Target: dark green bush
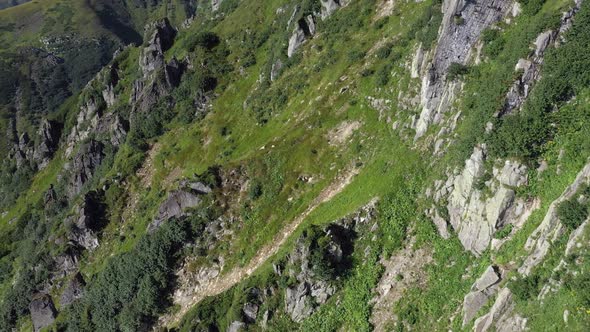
(456, 70)
(383, 75)
(384, 51)
(525, 288)
(572, 213)
(205, 39)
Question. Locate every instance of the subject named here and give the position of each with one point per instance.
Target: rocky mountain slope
(315, 165)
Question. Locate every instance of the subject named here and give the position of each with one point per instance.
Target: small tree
(456, 70)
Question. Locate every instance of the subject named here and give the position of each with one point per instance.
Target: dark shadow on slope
(111, 18)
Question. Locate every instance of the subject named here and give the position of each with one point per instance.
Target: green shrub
(356, 55)
(504, 232)
(525, 288)
(572, 213)
(205, 39)
(456, 70)
(384, 51)
(383, 75)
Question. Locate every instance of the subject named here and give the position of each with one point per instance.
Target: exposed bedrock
(462, 25)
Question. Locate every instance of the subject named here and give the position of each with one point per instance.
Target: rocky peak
(161, 40)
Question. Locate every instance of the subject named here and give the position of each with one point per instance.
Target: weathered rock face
(174, 206)
(84, 165)
(88, 219)
(500, 316)
(43, 312)
(485, 287)
(236, 326)
(297, 38)
(73, 290)
(48, 134)
(472, 214)
(329, 7)
(162, 38)
(87, 119)
(112, 79)
(66, 263)
(456, 38)
(215, 5)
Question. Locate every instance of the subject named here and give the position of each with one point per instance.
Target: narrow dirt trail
(226, 281)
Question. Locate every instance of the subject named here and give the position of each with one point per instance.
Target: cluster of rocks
(305, 28)
(37, 154)
(311, 290)
(88, 219)
(159, 76)
(476, 208)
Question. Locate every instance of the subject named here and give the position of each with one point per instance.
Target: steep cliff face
(462, 25)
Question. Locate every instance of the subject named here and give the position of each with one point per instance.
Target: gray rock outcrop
(161, 40)
(476, 215)
(454, 45)
(48, 135)
(43, 311)
(539, 242)
(236, 326)
(174, 206)
(87, 220)
(329, 7)
(84, 165)
(500, 316)
(73, 290)
(485, 287)
(215, 5)
(311, 289)
(297, 38)
(531, 67)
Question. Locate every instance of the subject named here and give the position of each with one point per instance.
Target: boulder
(66, 263)
(89, 218)
(236, 326)
(481, 291)
(513, 174)
(275, 71)
(500, 316)
(73, 290)
(215, 5)
(296, 40)
(250, 311)
(43, 311)
(297, 302)
(329, 7)
(542, 42)
(174, 206)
